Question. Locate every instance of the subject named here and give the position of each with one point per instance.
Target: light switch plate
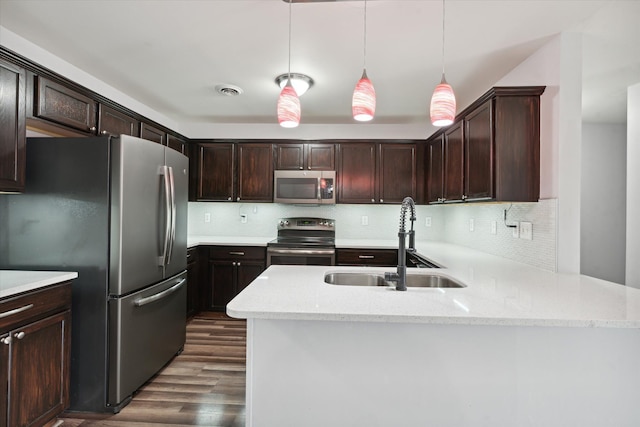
(472, 225)
(364, 220)
(526, 230)
(494, 227)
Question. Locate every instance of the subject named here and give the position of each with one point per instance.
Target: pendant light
(363, 103)
(288, 101)
(443, 101)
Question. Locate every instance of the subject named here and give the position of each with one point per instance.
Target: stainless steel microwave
(304, 187)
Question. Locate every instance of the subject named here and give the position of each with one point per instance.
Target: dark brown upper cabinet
(216, 171)
(178, 144)
(435, 169)
(12, 127)
(492, 151)
(235, 172)
(376, 172)
(255, 172)
(152, 133)
(60, 104)
(113, 122)
(454, 163)
(396, 172)
(309, 156)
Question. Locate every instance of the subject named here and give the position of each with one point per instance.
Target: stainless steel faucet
(400, 276)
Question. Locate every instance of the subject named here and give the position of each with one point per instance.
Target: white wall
(603, 201)
(633, 186)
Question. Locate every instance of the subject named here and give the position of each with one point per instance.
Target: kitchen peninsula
(517, 346)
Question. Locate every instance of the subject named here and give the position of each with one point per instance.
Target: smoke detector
(229, 90)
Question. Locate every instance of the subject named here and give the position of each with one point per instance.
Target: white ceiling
(170, 55)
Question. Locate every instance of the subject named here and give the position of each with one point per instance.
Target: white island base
(351, 373)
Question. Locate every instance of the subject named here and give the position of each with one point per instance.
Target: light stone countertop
(227, 241)
(13, 282)
(498, 292)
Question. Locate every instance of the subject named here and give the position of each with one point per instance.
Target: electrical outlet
(243, 218)
(494, 227)
(207, 217)
(516, 231)
(472, 224)
(427, 221)
(526, 230)
(364, 220)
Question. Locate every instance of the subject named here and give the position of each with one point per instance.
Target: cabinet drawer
(192, 255)
(16, 311)
(377, 257)
(235, 252)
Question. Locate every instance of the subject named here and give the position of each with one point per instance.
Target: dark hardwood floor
(203, 386)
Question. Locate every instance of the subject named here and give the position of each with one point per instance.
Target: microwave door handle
(319, 194)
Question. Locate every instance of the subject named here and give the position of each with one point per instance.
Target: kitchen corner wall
(449, 223)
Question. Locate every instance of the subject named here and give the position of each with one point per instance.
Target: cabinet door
(397, 172)
(4, 378)
(454, 163)
(39, 387)
(255, 173)
(193, 282)
(435, 170)
(62, 105)
(216, 171)
(357, 173)
(113, 122)
(12, 127)
(247, 271)
(290, 156)
(320, 156)
(479, 153)
(153, 134)
(177, 144)
(221, 287)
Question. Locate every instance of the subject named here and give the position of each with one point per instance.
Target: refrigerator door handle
(155, 297)
(164, 171)
(172, 238)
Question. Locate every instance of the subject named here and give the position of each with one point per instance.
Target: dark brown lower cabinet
(231, 269)
(35, 351)
(193, 282)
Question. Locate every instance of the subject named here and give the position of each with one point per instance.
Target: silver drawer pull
(19, 335)
(16, 311)
(236, 253)
(6, 340)
(366, 256)
(159, 295)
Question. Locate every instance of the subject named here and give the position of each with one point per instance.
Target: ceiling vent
(229, 90)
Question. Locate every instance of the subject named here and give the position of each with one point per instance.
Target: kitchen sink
(376, 279)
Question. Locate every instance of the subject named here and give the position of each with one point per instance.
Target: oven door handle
(301, 251)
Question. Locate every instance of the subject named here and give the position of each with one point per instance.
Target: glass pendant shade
(288, 107)
(443, 105)
(363, 105)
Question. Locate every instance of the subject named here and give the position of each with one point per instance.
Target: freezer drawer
(146, 329)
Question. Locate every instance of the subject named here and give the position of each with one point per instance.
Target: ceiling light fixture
(288, 102)
(363, 103)
(443, 101)
(300, 82)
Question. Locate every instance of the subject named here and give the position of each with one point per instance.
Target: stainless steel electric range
(303, 241)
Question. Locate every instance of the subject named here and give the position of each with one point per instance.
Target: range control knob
(286, 223)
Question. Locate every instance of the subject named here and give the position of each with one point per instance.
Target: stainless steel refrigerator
(114, 209)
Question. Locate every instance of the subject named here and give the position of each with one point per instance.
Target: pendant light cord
(364, 63)
(443, 39)
(289, 66)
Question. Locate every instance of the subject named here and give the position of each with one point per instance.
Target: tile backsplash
(449, 223)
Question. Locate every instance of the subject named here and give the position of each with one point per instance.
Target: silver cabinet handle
(19, 335)
(464, 197)
(366, 256)
(92, 128)
(104, 132)
(229, 198)
(238, 264)
(381, 200)
(6, 340)
(144, 301)
(15, 311)
(236, 253)
(301, 168)
(373, 200)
